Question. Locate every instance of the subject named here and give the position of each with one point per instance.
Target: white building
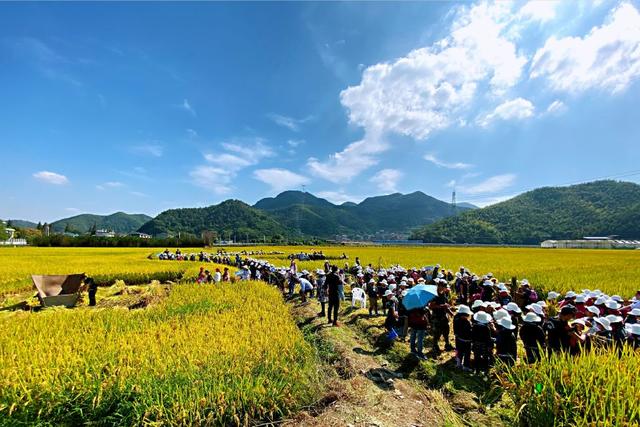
(105, 233)
(140, 235)
(592, 243)
(12, 241)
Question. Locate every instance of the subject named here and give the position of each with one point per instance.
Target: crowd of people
(488, 317)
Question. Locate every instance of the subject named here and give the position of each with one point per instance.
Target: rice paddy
(203, 356)
(231, 354)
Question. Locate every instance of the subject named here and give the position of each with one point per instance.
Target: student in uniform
(482, 346)
(462, 332)
(532, 336)
(506, 347)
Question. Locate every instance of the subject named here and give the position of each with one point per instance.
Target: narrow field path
(364, 387)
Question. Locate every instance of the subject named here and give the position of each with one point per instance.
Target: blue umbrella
(419, 296)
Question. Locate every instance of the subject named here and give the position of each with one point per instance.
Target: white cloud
(151, 149)
(72, 210)
(455, 165)
(288, 122)
(234, 156)
(539, 10)
(45, 58)
(487, 201)
(110, 184)
(518, 109)
(338, 197)
(187, 107)
(254, 149)
(280, 179)
(350, 162)
(192, 133)
(51, 177)
(240, 154)
(293, 143)
(556, 106)
(212, 178)
(138, 194)
(490, 185)
(387, 180)
(228, 161)
(428, 89)
(608, 57)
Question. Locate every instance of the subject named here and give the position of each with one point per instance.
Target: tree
(93, 229)
(39, 226)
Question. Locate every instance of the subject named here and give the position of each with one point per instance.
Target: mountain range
(119, 222)
(570, 212)
(297, 213)
(599, 208)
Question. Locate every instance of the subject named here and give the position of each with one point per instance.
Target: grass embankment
(205, 355)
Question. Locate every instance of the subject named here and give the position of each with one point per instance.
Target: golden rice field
(206, 355)
(104, 265)
(597, 388)
(612, 271)
(231, 354)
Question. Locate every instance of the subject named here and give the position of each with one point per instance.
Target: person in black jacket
(532, 336)
(440, 311)
(93, 290)
(558, 330)
(333, 282)
(462, 331)
(618, 331)
(482, 334)
(506, 346)
(372, 293)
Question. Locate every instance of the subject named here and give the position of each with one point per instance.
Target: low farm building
(592, 243)
(104, 233)
(140, 235)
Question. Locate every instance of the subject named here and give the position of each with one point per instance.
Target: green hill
(596, 208)
(393, 213)
(20, 223)
(297, 213)
(307, 214)
(119, 222)
(401, 212)
(229, 218)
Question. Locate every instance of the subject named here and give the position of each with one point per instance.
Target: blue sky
(148, 106)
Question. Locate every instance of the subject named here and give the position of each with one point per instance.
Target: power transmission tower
(453, 201)
(304, 189)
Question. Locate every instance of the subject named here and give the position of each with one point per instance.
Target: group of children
(488, 316)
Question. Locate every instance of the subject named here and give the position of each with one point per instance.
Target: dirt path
(364, 389)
